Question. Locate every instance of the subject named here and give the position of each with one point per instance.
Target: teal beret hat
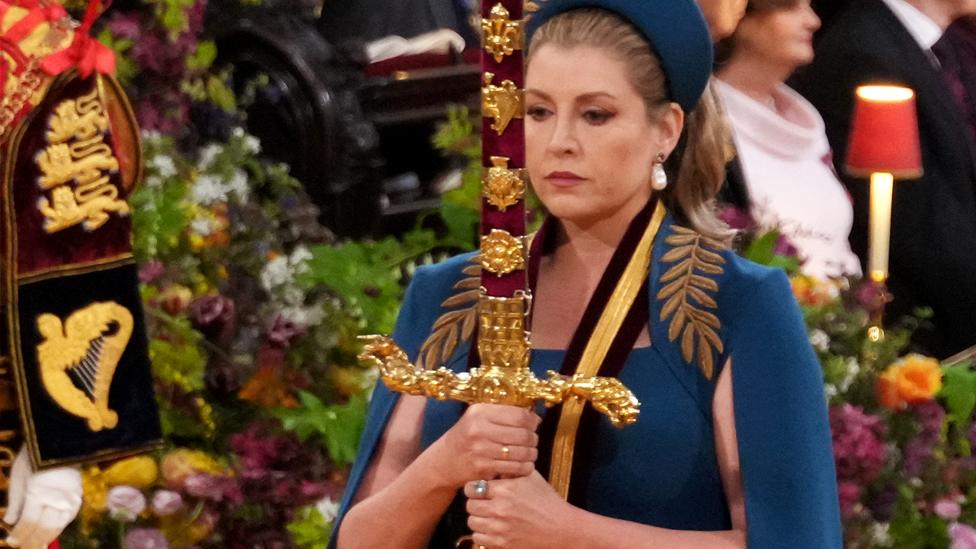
(676, 30)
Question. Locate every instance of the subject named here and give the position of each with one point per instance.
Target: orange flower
(910, 380)
(812, 292)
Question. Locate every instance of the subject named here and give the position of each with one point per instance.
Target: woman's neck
(591, 243)
(754, 76)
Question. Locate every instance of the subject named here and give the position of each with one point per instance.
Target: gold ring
(506, 451)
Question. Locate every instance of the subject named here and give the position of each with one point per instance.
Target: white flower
(275, 273)
(328, 508)
(880, 536)
(852, 369)
(208, 154)
(830, 391)
(163, 165)
(203, 226)
(208, 189)
(299, 259)
(820, 340)
(153, 181)
(293, 295)
(238, 185)
(151, 135)
(252, 144)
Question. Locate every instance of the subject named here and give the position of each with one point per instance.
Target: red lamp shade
(884, 133)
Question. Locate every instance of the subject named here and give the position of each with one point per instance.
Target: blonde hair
(696, 168)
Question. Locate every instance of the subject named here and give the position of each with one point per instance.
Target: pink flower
(849, 494)
(948, 509)
(125, 503)
(859, 446)
(963, 537)
(150, 271)
(145, 538)
(166, 502)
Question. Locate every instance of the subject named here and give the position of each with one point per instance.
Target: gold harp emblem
(502, 35)
(502, 103)
(78, 359)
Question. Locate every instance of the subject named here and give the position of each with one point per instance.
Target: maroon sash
(635, 321)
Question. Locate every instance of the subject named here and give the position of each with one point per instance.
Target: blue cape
(783, 432)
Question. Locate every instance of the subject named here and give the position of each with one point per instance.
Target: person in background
(934, 218)
(722, 16)
(783, 153)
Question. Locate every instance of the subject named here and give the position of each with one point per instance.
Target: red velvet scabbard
(498, 71)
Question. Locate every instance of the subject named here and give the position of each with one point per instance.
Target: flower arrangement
(902, 424)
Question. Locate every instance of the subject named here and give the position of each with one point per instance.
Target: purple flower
(205, 486)
(963, 537)
(145, 538)
(918, 451)
(871, 296)
(948, 509)
(166, 502)
(735, 218)
(151, 271)
(212, 314)
(125, 503)
(784, 247)
(124, 25)
(883, 503)
(859, 447)
(282, 333)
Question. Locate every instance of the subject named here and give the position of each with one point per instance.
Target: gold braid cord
(686, 293)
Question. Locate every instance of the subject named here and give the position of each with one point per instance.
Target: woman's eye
(597, 117)
(538, 113)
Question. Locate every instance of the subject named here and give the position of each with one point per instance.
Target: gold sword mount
(504, 376)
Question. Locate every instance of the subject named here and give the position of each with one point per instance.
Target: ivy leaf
(959, 392)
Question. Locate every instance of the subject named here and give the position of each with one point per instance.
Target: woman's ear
(670, 124)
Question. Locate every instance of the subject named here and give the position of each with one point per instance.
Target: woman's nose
(563, 140)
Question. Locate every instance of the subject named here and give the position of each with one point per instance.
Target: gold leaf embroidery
(686, 295)
(453, 326)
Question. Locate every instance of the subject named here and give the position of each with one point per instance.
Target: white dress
(786, 161)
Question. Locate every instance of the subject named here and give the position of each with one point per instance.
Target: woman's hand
(489, 441)
(519, 513)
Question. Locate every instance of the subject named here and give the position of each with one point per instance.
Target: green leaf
(339, 426)
(309, 528)
(761, 249)
(959, 392)
(203, 57)
(220, 94)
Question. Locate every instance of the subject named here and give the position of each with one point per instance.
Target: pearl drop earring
(659, 178)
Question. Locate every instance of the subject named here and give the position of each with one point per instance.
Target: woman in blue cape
(732, 446)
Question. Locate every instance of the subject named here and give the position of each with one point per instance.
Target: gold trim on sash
(633, 278)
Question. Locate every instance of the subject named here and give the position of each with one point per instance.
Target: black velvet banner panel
(61, 436)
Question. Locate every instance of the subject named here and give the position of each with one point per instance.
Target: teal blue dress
(663, 470)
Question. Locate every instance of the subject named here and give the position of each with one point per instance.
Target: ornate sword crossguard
(504, 376)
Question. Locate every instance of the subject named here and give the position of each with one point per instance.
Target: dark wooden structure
(356, 135)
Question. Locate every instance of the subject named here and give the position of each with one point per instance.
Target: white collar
(923, 29)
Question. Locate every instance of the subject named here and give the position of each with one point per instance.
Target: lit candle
(881, 188)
